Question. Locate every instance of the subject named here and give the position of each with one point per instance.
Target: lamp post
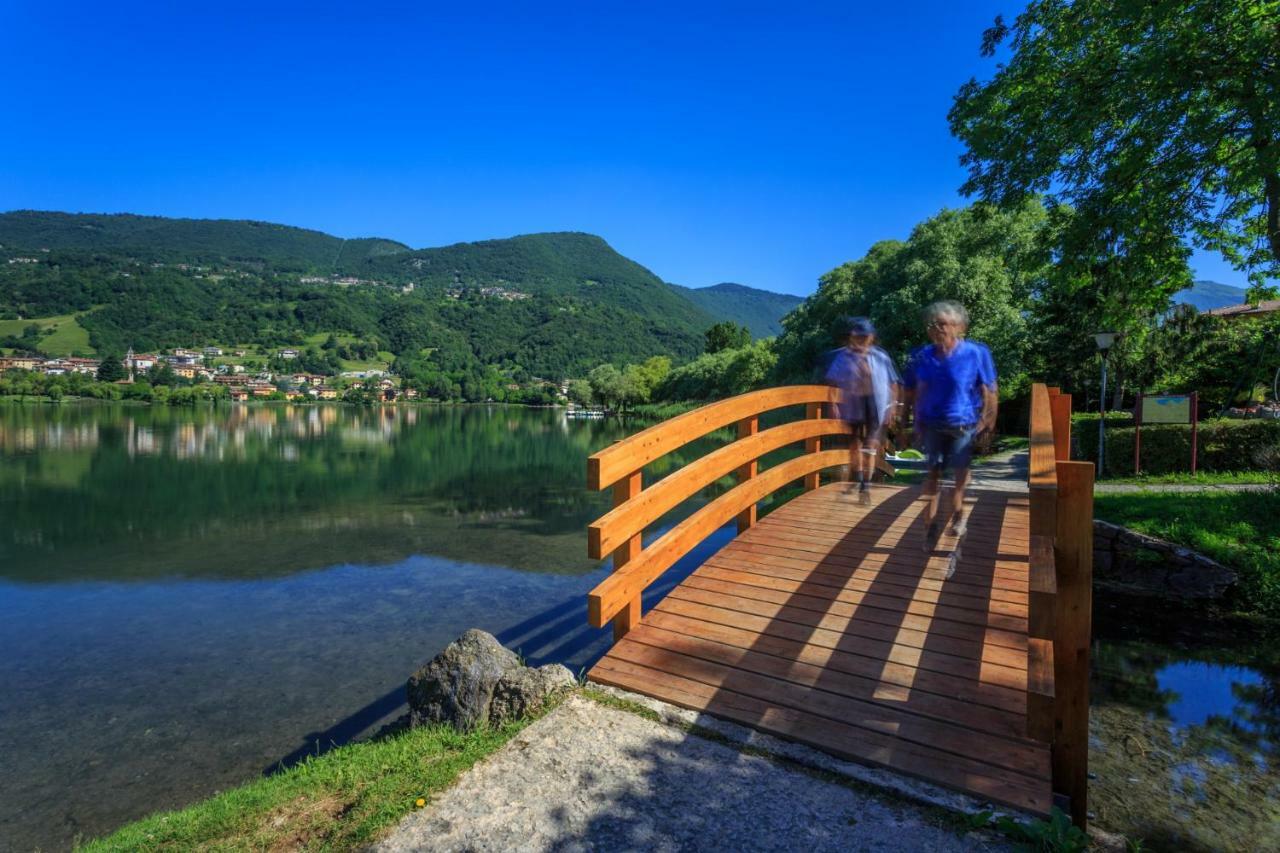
(1105, 340)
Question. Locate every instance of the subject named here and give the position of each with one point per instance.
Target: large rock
(457, 686)
(524, 691)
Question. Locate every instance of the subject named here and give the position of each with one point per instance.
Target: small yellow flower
(420, 802)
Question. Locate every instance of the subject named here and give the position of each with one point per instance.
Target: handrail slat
(627, 519)
(612, 594)
(1042, 474)
(631, 454)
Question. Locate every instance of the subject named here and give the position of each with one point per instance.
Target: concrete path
(591, 777)
(1129, 488)
(1007, 472)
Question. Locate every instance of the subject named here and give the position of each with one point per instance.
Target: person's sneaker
(864, 494)
(959, 525)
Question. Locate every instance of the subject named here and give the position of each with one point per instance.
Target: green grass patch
(341, 800)
(68, 335)
(1238, 529)
(1200, 478)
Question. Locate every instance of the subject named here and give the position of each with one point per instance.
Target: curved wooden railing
(618, 532)
(1060, 597)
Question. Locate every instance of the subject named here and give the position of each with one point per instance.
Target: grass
(68, 335)
(1200, 478)
(1238, 529)
(341, 800)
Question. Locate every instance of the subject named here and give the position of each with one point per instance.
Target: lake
(193, 597)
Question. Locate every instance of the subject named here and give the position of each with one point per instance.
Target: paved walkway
(591, 777)
(1007, 472)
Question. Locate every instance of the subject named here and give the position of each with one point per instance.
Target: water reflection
(1185, 713)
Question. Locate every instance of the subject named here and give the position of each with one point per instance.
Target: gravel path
(591, 777)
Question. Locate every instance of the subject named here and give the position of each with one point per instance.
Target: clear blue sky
(758, 143)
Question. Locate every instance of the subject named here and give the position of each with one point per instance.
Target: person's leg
(934, 459)
(855, 460)
(962, 455)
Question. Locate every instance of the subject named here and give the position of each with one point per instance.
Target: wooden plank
(1016, 754)
(631, 454)
(625, 584)
(839, 571)
(1042, 473)
(1073, 556)
(748, 427)
(873, 690)
(1042, 603)
(630, 518)
(852, 662)
(628, 617)
(833, 736)
(1060, 411)
(813, 411)
(960, 608)
(1039, 716)
(851, 632)
(724, 584)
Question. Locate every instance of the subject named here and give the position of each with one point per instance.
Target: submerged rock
(524, 691)
(457, 686)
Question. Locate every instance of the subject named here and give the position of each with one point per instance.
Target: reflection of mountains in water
(123, 492)
(307, 541)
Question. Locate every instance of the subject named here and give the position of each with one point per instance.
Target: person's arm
(990, 391)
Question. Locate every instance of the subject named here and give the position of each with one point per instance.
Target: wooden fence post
(812, 445)
(747, 427)
(629, 617)
(1060, 407)
(1073, 556)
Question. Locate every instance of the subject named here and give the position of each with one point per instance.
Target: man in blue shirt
(954, 381)
(869, 380)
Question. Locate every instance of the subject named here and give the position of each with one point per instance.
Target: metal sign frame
(1194, 399)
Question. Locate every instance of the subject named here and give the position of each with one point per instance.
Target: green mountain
(472, 314)
(761, 311)
(1206, 295)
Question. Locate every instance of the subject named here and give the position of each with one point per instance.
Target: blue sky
(758, 143)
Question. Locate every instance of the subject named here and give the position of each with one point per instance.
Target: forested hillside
(541, 305)
(761, 311)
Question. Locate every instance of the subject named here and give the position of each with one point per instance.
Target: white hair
(949, 309)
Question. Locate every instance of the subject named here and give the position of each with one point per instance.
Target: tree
(110, 369)
(580, 392)
(727, 335)
(990, 260)
(1155, 121)
(606, 384)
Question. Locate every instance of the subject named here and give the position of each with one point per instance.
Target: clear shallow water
(191, 598)
(1184, 724)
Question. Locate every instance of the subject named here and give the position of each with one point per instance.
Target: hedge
(1224, 445)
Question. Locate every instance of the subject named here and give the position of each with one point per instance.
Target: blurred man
(870, 383)
(954, 381)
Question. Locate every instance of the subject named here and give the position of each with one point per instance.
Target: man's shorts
(861, 414)
(948, 446)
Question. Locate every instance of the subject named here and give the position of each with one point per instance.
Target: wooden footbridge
(961, 662)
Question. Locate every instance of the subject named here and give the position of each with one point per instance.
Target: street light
(1105, 340)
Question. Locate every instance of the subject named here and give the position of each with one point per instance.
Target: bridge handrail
(631, 454)
(618, 532)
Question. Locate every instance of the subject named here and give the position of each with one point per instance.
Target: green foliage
(1151, 119)
(1224, 445)
(1055, 835)
(990, 261)
(1238, 529)
(110, 369)
(760, 311)
(726, 335)
(721, 374)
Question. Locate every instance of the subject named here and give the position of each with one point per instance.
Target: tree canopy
(1155, 121)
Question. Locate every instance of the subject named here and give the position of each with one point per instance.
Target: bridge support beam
(812, 445)
(748, 427)
(1073, 556)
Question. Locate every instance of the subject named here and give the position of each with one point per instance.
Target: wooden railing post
(812, 445)
(748, 427)
(1073, 557)
(1060, 406)
(629, 616)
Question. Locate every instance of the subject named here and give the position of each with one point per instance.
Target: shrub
(1224, 445)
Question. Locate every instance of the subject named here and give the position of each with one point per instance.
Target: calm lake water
(191, 598)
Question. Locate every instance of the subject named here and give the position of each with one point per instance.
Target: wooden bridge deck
(827, 623)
